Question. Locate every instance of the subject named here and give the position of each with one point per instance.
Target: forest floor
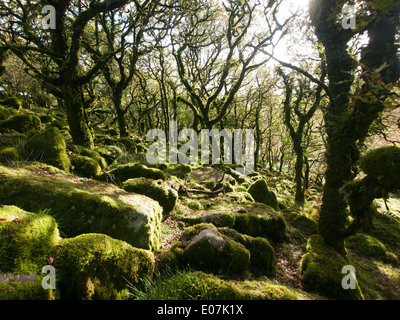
(375, 252)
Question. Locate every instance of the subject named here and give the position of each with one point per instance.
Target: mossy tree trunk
(79, 129)
(348, 121)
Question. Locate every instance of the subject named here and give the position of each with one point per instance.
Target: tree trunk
(79, 129)
(299, 197)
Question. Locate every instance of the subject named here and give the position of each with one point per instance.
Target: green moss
(89, 266)
(240, 197)
(26, 241)
(21, 123)
(15, 140)
(83, 151)
(197, 285)
(82, 206)
(209, 184)
(4, 113)
(45, 118)
(12, 102)
(321, 271)
(260, 193)
(179, 170)
(269, 225)
(9, 154)
(154, 189)
(85, 166)
(193, 204)
(262, 254)
(59, 123)
(204, 248)
(110, 153)
(369, 246)
(128, 143)
(382, 164)
(137, 170)
(112, 132)
(49, 147)
(15, 290)
(93, 266)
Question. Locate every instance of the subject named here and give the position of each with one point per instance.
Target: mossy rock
(89, 266)
(26, 241)
(193, 204)
(179, 170)
(95, 266)
(239, 197)
(85, 166)
(321, 271)
(129, 144)
(262, 222)
(83, 151)
(82, 205)
(305, 223)
(4, 113)
(369, 246)
(45, 118)
(21, 123)
(29, 290)
(262, 254)
(110, 153)
(12, 102)
(155, 189)
(137, 170)
(227, 219)
(9, 154)
(48, 147)
(383, 165)
(204, 248)
(260, 193)
(15, 140)
(59, 123)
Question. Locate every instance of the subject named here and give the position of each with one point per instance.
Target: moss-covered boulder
(136, 170)
(179, 170)
(83, 206)
(49, 147)
(4, 113)
(262, 254)
(260, 192)
(59, 124)
(110, 153)
(85, 166)
(239, 197)
(95, 266)
(369, 246)
(260, 220)
(222, 250)
(321, 271)
(21, 123)
(83, 151)
(204, 248)
(155, 189)
(9, 155)
(26, 241)
(12, 102)
(89, 266)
